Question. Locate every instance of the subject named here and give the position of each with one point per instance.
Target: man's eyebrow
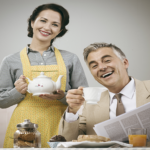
(106, 56)
(91, 62)
(101, 58)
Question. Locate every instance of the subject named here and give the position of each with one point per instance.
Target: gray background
(125, 23)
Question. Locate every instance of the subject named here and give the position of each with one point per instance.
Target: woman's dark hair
(55, 7)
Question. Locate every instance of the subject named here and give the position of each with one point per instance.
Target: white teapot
(43, 85)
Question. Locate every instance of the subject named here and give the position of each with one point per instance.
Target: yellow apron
(45, 113)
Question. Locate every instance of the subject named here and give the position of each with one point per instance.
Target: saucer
(37, 94)
(90, 102)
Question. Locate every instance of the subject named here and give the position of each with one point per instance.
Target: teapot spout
(58, 82)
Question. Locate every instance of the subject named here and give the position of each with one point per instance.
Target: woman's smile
(44, 33)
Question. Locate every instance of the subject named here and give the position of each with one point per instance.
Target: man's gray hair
(95, 46)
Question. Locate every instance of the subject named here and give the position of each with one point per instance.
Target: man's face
(107, 68)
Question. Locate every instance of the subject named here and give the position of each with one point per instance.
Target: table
(148, 148)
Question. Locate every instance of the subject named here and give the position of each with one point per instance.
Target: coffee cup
(92, 94)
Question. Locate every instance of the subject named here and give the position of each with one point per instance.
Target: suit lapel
(101, 112)
(141, 93)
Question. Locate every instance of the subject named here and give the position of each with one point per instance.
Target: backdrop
(125, 23)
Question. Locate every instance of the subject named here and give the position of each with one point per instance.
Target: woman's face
(46, 26)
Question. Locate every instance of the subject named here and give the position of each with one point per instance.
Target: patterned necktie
(120, 108)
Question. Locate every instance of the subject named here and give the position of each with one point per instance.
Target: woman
(46, 23)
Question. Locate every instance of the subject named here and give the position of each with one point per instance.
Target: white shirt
(128, 99)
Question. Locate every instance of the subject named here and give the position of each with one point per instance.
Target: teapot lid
(42, 75)
(27, 124)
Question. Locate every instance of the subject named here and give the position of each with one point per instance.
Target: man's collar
(127, 91)
(51, 48)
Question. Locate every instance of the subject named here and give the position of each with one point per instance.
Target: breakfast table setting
(94, 142)
(27, 134)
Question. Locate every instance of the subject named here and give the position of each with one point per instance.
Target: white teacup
(92, 94)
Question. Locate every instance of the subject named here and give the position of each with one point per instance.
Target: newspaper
(117, 128)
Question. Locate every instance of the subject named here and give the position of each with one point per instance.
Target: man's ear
(126, 63)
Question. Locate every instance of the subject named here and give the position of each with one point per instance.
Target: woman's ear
(60, 31)
(32, 23)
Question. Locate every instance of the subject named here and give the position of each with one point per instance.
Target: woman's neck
(39, 46)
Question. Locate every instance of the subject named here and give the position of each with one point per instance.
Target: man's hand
(21, 85)
(59, 94)
(75, 99)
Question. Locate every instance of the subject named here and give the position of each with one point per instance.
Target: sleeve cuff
(16, 95)
(63, 100)
(70, 117)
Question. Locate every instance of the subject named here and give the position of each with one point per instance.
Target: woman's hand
(21, 85)
(59, 94)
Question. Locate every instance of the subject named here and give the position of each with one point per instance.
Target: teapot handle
(28, 91)
(28, 85)
(28, 79)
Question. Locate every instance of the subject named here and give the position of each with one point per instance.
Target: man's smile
(107, 74)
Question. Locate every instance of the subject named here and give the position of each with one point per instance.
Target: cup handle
(83, 95)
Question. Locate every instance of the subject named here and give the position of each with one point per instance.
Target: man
(108, 65)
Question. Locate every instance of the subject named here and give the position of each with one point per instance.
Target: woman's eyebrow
(53, 22)
(56, 22)
(44, 18)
